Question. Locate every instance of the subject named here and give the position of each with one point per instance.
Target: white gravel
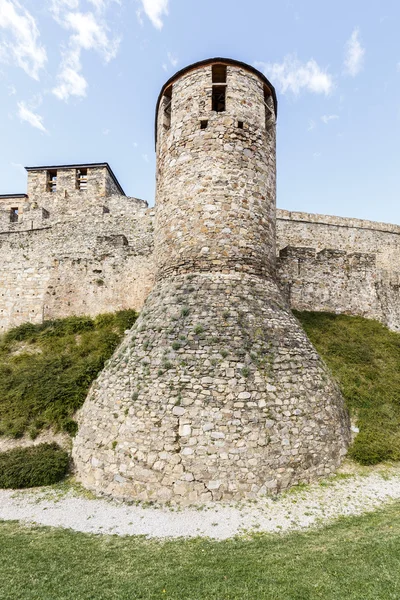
(314, 505)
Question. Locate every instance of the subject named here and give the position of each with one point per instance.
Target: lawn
(356, 558)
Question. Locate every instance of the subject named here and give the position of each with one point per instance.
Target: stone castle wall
(73, 253)
(339, 265)
(75, 257)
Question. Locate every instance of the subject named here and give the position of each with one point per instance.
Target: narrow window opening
(218, 98)
(167, 100)
(240, 124)
(14, 214)
(203, 124)
(51, 181)
(81, 179)
(219, 74)
(269, 108)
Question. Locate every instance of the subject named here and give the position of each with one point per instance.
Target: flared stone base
(216, 394)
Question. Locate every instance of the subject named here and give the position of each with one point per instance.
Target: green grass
(364, 356)
(354, 559)
(46, 370)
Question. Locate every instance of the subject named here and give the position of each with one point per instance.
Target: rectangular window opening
(219, 73)
(218, 98)
(240, 124)
(51, 181)
(81, 179)
(269, 108)
(203, 124)
(14, 214)
(167, 100)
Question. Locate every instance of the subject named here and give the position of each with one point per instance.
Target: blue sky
(79, 80)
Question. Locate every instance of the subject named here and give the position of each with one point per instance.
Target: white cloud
(71, 82)
(311, 125)
(88, 32)
(291, 75)
(22, 45)
(155, 9)
(354, 54)
(326, 118)
(11, 90)
(173, 61)
(25, 114)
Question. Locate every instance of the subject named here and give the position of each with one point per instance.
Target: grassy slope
(356, 558)
(46, 370)
(365, 358)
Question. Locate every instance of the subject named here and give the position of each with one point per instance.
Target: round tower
(215, 142)
(216, 393)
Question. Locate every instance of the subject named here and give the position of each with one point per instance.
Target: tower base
(216, 394)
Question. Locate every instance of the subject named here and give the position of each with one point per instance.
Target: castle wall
(350, 235)
(340, 265)
(93, 260)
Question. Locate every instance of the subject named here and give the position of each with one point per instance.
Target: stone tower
(217, 393)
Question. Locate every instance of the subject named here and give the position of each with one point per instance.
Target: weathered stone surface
(215, 337)
(73, 252)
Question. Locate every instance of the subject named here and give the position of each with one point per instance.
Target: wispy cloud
(34, 119)
(20, 42)
(354, 54)
(292, 75)
(311, 125)
(155, 9)
(88, 32)
(327, 118)
(172, 60)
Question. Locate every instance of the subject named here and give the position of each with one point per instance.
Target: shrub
(44, 464)
(370, 448)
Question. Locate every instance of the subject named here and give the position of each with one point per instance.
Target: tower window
(81, 179)
(269, 108)
(167, 100)
(14, 214)
(203, 124)
(218, 98)
(219, 73)
(51, 185)
(240, 124)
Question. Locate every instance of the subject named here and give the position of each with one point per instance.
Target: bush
(370, 448)
(44, 464)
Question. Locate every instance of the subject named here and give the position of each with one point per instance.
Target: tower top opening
(269, 88)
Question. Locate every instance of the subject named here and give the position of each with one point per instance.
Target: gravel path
(316, 504)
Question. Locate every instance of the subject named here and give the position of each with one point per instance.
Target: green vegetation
(356, 558)
(44, 464)
(46, 370)
(364, 356)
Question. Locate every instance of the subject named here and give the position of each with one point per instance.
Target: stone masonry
(73, 251)
(77, 252)
(216, 393)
